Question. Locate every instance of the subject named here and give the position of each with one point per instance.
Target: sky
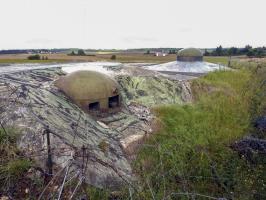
(124, 24)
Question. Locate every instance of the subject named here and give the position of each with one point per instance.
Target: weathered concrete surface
(151, 88)
(30, 102)
(37, 104)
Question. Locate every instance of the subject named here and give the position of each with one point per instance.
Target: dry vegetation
(120, 57)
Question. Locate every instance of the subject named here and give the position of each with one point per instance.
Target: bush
(34, 57)
(113, 57)
(81, 52)
(251, 53)
(72, 53)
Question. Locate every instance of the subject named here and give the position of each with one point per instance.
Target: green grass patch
(191, 156)
(13, 169)
(12, 164)
(223, 60)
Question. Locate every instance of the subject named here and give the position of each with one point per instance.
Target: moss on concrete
(150, 91)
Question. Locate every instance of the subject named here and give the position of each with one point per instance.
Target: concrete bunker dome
(90, 90)
(190, 55)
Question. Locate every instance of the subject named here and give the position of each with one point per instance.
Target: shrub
(113, 57)
(34, 57)
(104, 146)
(12, 166)
(72, 53)
(81, 52)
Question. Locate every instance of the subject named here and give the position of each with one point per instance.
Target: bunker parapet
(90, 90)
(190, 55)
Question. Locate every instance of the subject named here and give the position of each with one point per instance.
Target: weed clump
(34, 57)
(104, 146)
(113, 57)
(12, 164)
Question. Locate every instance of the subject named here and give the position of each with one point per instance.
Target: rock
(158, 90)
(102, 124)
(260, 124)
(186, 93)
(126, 142)
(250, 148)
(4, 198)
(142, 112)
(45, 108)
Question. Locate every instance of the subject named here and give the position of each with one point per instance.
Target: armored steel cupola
(90, 90)
(190, 55)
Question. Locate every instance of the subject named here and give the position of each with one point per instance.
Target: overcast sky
(131, 23)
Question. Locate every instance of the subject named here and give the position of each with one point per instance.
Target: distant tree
(206, 52)
(259, 52)
(72, 53)
(248, 47)
(81, 52)
(245, 50)
(251, 53)
(232, 51)
(113, 57)
(256, 52)
(219, 51)
(172, 51)
(34, 57)
(148, 52)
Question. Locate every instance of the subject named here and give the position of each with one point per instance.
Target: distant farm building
(90, 90)
(189, 55)
(160, 54)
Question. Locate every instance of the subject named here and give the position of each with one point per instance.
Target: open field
(120, 57)
(124, 58)
(217, 59)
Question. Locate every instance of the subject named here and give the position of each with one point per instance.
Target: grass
(191, 156)
(14, 169)
(12, 165)
(223, 60)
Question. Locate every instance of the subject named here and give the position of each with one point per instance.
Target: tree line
(234, 51)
